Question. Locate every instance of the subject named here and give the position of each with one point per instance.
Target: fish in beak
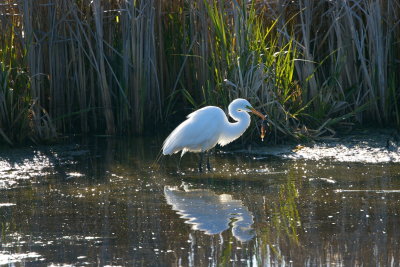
(262, 116)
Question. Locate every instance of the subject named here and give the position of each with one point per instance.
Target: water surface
(106, 202)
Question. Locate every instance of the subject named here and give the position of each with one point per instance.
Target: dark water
(105, 202)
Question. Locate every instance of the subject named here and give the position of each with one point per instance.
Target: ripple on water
(327, 180)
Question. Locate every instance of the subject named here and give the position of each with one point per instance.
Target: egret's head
(241, 104)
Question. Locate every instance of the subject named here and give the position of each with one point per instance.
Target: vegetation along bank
(134, 67)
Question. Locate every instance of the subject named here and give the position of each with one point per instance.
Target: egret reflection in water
(211, 213)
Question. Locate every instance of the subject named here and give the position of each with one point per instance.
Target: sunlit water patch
(7, 204)
(21, 166)
(346, 153)
(26, 168)
(378, 191)
(368, 147)
(7, 258)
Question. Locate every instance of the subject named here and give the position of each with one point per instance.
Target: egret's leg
(208, 161)
(179, 164)
(201, 162)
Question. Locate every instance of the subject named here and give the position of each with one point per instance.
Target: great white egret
(207, 127)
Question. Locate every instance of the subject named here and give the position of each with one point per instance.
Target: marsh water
(106, 201)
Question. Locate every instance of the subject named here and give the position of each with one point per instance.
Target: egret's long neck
(236, 129)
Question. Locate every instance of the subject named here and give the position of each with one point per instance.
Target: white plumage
(209, 126)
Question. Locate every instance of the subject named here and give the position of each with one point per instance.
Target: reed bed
(134, 66)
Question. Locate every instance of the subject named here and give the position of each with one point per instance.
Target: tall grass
(126, 67)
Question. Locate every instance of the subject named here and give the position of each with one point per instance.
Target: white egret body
(209, 126)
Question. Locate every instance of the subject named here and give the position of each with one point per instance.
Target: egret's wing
(206, 111)
(201, 128)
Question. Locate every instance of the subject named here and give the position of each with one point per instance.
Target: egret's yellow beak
(259, 114)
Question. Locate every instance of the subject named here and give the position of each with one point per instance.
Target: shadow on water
(107, 202)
